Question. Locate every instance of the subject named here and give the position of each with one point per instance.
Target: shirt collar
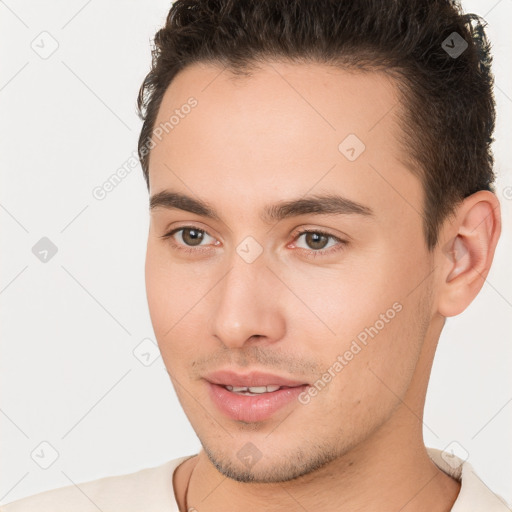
(474, 495)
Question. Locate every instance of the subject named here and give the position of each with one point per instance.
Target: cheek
(158, 292)
(165, 295)
(376, 325)
(348, 298)
(175, 294)
(368, 372)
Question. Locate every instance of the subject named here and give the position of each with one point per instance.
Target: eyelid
(171, 231)
(322, 231)
(310, 253)
(169, 234)
(295, 235)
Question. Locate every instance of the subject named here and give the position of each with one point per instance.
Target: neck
(390, 471)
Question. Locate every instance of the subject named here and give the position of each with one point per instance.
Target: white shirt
(151, 490)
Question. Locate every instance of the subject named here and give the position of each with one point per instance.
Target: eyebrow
(330, 204)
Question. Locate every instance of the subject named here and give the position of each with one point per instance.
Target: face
(338, 300)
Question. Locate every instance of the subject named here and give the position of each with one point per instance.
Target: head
(369, 128)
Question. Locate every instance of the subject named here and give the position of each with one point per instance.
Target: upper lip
(252, 379)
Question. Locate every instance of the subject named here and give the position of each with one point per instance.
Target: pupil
(313, 238)
(195, 236)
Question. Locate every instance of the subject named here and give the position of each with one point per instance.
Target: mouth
(254, 382)
(252, 397)
(255, 390)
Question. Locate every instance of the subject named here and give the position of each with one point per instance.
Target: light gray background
(69, 376)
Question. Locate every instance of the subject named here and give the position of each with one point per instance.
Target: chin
(250, 465)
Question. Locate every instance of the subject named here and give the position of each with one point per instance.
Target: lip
(230, 378)
(252, 408)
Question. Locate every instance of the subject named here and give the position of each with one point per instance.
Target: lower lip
(252, 408)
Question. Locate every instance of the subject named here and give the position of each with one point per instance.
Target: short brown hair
(449, 113)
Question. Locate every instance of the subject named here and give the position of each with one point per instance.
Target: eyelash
(309, 253)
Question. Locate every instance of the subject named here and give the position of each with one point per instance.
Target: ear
(466, 251)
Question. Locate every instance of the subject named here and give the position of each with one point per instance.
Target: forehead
(282, 99)
(287, 127)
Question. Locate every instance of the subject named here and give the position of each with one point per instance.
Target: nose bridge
(246, 305)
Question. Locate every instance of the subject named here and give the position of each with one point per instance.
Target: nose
(248, 305)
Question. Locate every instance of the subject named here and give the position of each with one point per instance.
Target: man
(320, 181)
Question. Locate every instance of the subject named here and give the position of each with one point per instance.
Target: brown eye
(192, 236)
(312, 243)
(316, 240)
(190, 239)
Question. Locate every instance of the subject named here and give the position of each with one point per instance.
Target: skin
(358, 444)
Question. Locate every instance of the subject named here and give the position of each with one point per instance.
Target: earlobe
(468, 254)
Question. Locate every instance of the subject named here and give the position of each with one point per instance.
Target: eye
(191, 236)
(319, 240)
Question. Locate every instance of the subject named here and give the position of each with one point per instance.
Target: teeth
(270, 389)
(253, 390)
